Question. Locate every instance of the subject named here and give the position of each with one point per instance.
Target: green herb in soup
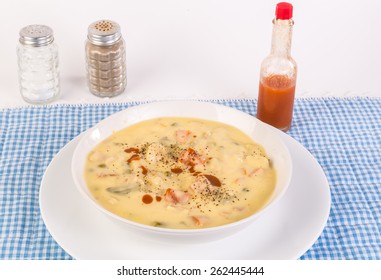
(180, 173)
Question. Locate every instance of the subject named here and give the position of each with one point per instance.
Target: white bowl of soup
(182, 169)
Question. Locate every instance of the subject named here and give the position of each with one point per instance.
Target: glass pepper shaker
(278, 73)
(38, 64)
(106, 59)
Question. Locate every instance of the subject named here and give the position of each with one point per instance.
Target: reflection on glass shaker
(38, 65)
(106, 59)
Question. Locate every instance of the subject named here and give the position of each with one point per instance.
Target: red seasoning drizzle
(132, 150)
(144, 170)
(133, 157)
(176, 170)
(213, 180)
(147, 199)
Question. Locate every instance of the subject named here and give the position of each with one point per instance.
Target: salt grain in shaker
(38, 64)
(106, 59)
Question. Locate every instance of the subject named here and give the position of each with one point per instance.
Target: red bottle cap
(283, 11)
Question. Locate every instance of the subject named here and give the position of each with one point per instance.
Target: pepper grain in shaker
(106, 59)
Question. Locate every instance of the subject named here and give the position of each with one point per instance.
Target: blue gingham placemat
(343, 134)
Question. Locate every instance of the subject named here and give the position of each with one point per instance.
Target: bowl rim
(186, 232)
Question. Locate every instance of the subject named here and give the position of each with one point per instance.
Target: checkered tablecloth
(343, 134)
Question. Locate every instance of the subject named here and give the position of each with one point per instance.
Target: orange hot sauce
(147, 199)
(276, 101)
(278, 73)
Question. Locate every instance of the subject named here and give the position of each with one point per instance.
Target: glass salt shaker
(38, 64)
(106, 59)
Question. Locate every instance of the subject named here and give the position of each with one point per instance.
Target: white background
(203, 49)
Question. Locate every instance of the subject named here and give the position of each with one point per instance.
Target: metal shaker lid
(104, 32)
(36, 35)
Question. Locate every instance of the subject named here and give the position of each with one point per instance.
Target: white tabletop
(203, 49)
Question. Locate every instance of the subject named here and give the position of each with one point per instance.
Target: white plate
(285, 231)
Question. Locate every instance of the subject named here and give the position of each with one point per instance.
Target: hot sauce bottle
(278, 73)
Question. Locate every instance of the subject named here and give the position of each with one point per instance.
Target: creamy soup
(180, 173)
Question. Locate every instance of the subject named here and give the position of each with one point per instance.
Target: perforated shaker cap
(104, 32)
(283, 11)
(36, 35)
